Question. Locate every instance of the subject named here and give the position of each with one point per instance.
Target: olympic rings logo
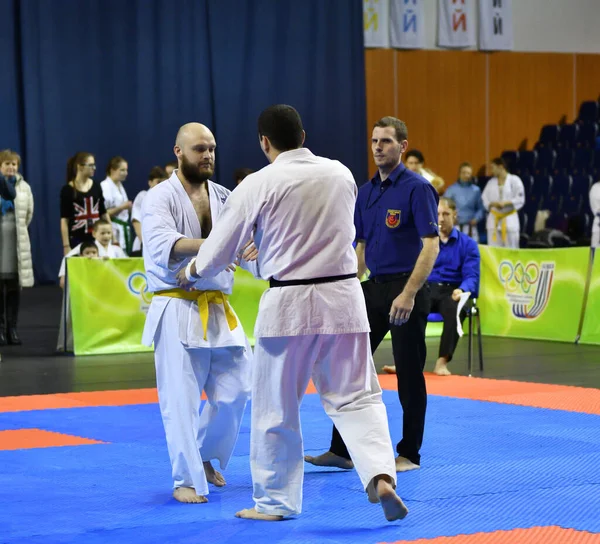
(515, 276)
(138, 285)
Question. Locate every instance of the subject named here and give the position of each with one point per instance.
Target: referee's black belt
(276, 283)
(386, 278)
(444, 284)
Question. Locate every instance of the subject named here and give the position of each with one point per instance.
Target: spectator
(169, 167)
(503, 197)
(16, 268)
(102, 232)
(595, 206)
(240, 174)
(118, 206)
(157, 174)
(89, 250)
(469, 205)
(415, 162)
(81, 202)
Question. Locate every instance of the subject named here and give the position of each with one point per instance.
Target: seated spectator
(456, 271)
(157, 174)
(595, 206)
(89, 250)
(102, 233)
(16, 268)
(415, 162)
(469, 205)
(240, 174)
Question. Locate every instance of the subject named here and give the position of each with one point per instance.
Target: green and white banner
(535, 294)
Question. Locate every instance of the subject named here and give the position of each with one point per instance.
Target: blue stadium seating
(580, 186)
(582, 159)
(541, 188)
(548, 137)
(587, 135)
(564, 161)
(545, 161)
(589, 111)
(571, 204)
(561, 185)
(525, 163)
(568, 136)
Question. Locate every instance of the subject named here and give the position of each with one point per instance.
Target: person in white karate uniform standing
(312, 322)
(118, 205)
(503, 197)
(199, 343)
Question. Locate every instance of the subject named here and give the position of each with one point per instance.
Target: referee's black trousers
(409, 349)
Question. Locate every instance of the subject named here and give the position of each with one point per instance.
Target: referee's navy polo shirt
(392, 217)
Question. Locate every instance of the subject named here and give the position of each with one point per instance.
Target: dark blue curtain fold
(119, 78)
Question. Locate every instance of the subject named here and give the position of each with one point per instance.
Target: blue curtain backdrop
(119, 78)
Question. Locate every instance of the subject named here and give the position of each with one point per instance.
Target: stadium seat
(544, 161)
(568, 136)
(525, 163)
(571, 204)
(564, 161)
(561, 185)
(589, 111)
(582, 159)
(540, 189)
(548, 137)
(580, 186)
(587, 135)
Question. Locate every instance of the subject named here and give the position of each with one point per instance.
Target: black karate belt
(441, 284)
(330, 279)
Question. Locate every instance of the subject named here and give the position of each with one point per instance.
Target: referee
(397, 240)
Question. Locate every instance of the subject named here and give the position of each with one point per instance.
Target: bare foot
(251, 513)
(213, 476)
(188, 495)
(441, 367)
(404, 465)
(389, 369)
(392, 505)
(329, 459)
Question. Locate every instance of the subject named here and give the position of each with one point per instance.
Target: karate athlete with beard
(312, 322)
(199, 343)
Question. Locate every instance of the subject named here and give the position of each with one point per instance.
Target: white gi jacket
(514, 191)
(114, 196)
(167, 216)
(289, 205)
(136, 215)
(595, 206)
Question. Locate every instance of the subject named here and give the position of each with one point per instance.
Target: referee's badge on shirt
(392, 218)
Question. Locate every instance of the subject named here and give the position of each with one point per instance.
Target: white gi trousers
(512, 239)
(181, 375)
(343, 372)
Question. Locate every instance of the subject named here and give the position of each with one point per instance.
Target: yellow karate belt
(204, 298)
(499, 217)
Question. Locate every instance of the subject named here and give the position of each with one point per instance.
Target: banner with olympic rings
(535, 294)
(590, 334)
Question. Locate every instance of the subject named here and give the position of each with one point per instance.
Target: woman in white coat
(16, 267)
(503, 197)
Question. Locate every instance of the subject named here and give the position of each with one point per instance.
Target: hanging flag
(407, 24)
(495, 25)
(376, 22)
(456, 23)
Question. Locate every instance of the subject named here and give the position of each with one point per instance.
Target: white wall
(564, 26)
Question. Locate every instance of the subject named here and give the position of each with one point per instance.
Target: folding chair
(473, 314)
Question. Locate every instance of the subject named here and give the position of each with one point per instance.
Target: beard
(192, 173)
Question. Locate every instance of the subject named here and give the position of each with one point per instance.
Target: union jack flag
(86, 215)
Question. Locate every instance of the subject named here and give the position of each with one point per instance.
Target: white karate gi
(186, 363)
(136, 215)
(301, 210)
(513, 191)
(116, 195)
(595, 207)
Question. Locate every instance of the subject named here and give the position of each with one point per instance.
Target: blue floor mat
(486, 467)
